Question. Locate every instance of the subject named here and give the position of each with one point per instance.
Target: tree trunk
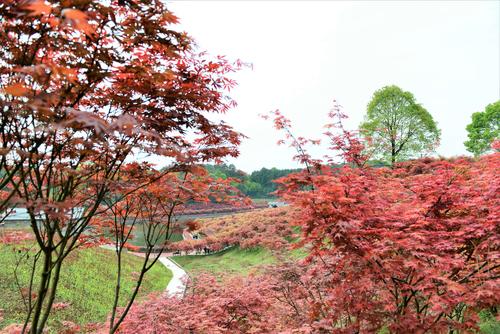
(117, 291)
(393, 153)
(42, 290)
(51, 297)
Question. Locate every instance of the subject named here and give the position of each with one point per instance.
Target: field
(233, 261)
(87, 285)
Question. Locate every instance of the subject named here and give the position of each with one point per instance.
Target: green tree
(224, 171)
(265, 177)
(251, 189)
(484, 129)
(398, 127)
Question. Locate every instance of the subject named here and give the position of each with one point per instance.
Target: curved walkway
(177, 285)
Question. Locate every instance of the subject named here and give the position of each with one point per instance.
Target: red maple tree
(85, 85)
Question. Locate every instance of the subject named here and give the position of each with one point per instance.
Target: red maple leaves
(414, 248)
(410, 249)
(270, 228)
(88, 85)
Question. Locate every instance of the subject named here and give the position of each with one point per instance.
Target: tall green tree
(484, 129)
(397, 126)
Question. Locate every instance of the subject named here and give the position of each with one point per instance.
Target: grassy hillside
(233, 261)
(87, 284)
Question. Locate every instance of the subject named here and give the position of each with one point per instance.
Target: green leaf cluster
(484, 129)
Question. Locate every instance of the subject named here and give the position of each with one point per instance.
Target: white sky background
(305, 54)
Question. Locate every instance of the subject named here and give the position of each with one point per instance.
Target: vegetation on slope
(269, 228)
(233, 261)
(85, 294)
(259, 238)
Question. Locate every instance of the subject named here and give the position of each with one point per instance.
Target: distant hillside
(258, 184)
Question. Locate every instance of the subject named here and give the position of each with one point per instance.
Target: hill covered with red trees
(410, 249)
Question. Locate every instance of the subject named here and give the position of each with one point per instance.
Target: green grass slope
(87, 284)
(233, 261)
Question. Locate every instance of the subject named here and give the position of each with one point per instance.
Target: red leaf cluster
(233, 306)
(14, 237)
(268, 228)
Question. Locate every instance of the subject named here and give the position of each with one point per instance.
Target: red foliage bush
(15, 237)
(192, 225)
(415, 248)
(238, 305)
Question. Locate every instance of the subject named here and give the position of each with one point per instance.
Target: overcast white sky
(306, 53)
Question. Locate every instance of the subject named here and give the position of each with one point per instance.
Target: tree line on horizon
(261, 183)
(258, 184)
